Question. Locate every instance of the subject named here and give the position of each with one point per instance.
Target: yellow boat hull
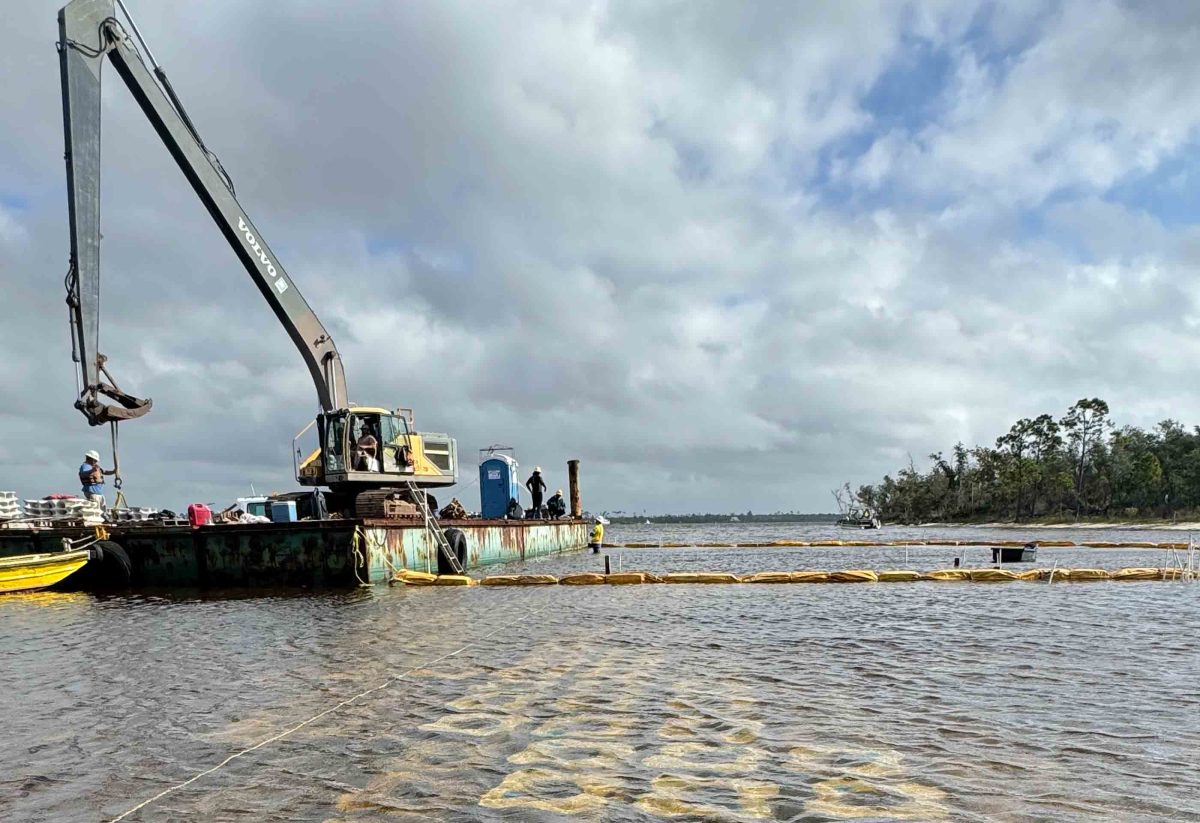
(37, 571)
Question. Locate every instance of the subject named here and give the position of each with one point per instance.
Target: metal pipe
(137, 33)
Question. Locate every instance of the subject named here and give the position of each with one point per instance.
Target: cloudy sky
(728, 255)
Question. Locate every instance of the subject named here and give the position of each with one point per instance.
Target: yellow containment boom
(414, 578)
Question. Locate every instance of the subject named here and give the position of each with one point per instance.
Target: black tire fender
(113, 569)
(458, 544)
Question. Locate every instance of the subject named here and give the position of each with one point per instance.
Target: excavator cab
(367, 447)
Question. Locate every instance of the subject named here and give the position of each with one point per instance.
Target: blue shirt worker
(91, 477)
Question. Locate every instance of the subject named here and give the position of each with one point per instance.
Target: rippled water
(918, 701)
(750, 532)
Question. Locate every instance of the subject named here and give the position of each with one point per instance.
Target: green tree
(1078, 463)
(1085, 424)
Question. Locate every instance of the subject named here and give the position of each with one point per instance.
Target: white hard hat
(93, 455)
(537, 468)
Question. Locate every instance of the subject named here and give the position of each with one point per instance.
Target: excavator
(405, 462)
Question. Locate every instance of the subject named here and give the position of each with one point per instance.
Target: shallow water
(750, 532)
(907, 701)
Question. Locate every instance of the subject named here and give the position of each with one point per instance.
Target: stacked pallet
(10, 506)
(76, 509)
(134, 514)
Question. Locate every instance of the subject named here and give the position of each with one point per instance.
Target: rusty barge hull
(318, 554)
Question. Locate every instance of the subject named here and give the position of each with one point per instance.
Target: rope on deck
(332, 709)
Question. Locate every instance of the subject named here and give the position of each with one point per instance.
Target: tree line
(1080, 465)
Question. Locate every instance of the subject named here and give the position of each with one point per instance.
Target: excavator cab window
(363, 426)
(394, 442)
(335, 443)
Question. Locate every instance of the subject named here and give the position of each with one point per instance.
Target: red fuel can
(199, 515)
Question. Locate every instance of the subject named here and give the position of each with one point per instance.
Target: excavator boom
(89, 31)
(92, 30)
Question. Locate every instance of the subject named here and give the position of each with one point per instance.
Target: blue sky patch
(13, 201)
(909, 93)
(383, 245)
(1168, 192)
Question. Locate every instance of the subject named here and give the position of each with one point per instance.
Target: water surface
(919, 701)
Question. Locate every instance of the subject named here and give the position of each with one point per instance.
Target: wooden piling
(573, 482)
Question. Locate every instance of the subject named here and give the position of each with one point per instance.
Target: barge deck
(318, 554)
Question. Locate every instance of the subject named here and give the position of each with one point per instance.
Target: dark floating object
(1015, 554)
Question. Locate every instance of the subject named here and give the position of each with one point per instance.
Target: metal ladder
(434, 528)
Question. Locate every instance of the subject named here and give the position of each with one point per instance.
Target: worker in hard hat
(515, 512)
(91, 477)
(556, 506)
(366, 450)
(597, 538)
(536, 486)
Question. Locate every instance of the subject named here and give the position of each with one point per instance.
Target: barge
(312, 554)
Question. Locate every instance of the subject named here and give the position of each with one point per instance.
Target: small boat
(1015, 554)
(859, 519)
(25, 572)
(854, 515)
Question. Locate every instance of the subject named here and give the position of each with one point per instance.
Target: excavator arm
(89, 31)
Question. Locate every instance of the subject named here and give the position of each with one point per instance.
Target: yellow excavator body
(400, 456)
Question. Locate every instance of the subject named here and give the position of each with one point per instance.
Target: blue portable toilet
(498, 483)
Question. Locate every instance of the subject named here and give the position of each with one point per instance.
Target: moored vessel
(312, 554)
(859, 519)
(28, 572)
